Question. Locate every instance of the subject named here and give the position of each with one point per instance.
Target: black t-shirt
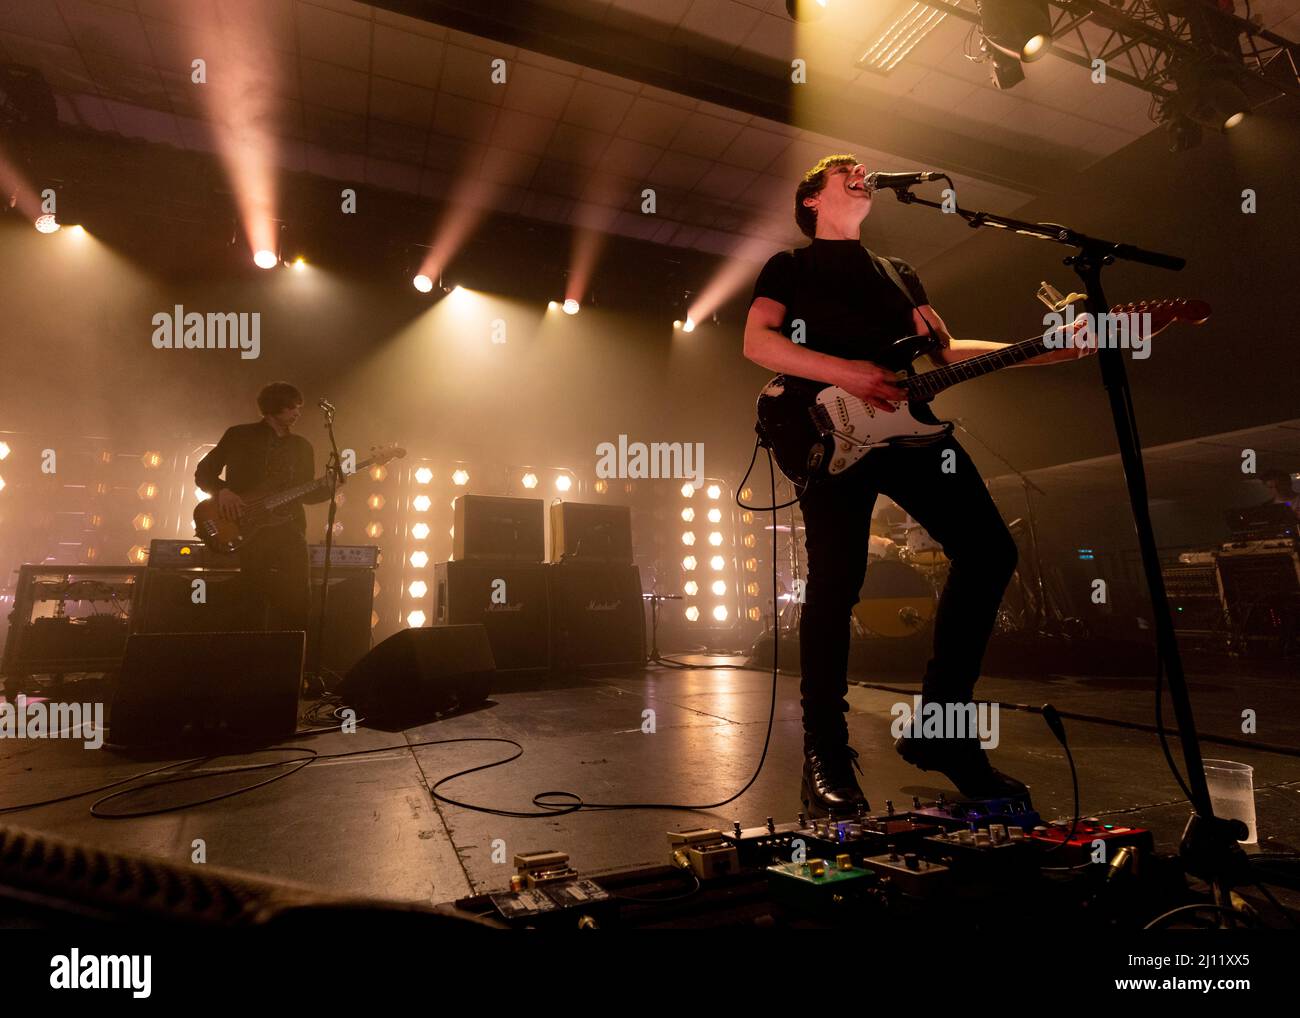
(255, 457)
(849, 307)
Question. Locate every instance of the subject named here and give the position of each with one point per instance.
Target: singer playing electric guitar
(843, 308)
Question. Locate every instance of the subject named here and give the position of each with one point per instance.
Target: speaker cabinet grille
(509, 599)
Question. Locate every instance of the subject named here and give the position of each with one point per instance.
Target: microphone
(325, 405)
(898, 181)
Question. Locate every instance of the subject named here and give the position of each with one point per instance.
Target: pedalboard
(705, 852)
(955, 814)
(1093, 841)
(820, 886)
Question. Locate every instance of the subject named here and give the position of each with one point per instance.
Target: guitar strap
(886, 268)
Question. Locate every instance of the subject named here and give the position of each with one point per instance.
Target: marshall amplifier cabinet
(490, 528)
(509, 600)
(599, 618)
(591, 533)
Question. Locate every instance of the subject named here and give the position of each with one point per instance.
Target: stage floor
(366, 824)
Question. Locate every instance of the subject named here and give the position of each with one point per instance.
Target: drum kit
(906, 570)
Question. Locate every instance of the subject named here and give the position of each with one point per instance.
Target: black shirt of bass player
(254, 457)
(849, 307)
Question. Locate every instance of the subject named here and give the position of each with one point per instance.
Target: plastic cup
(1232, 793)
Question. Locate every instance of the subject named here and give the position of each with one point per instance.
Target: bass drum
(895, 601)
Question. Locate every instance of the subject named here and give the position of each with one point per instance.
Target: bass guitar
(262, 508)
(816, 430)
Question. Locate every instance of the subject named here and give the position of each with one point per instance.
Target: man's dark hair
(278, 396)
(813, 181)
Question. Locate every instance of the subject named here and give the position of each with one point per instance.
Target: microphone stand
(1042, 596)
(334, 471)
(1209, 847)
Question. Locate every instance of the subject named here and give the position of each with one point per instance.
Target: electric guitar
(261, 507)
(818, 430)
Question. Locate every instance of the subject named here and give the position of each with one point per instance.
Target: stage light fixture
(714, 491)
(265, 259)
(570, 306)
(138, 555)
(4, 450)
(754, 614)
(688, 325)
(715, 515)
(420, 531)
(147, 491)
(374, 529)
(47, 224)
(806, 10)
(692, 614)
(1210, 98)
(688, 489)
(77, 231)
(1184, 133)
(143, 521)
(2, 484)
(689, 563)
(419, 559)
(715, 539)
(418, 589)
(600, 487)
(423, 475)
(1022, 29)
(719, 587)
(379, 473)
(691, 588)
(563, 482)
(717, 563)
(688, 538)
(422, 283)
(688, 515)
(299, 264)
(1005, 72)
(421, 503)
(460, 477)
(720, 613)
(529, 481)
(551, 305)
(375, 502)
(415, 619)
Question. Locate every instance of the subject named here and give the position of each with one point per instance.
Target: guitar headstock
(1166, 311)
(381, 454)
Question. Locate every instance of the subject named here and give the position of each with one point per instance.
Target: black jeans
(277, 578)
(959, 513)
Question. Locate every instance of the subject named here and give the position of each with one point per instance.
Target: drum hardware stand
(1046, 609)
(1209, 848)
(333, 470)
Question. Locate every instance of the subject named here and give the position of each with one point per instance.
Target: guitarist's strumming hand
(870, 383)
(229, 504)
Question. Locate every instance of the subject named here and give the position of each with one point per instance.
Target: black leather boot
(965, 764)
(829, 787)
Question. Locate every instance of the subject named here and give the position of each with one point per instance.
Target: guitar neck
(292, 494)
(930, 383)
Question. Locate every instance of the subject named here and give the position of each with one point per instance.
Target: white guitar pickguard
(860, 427)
